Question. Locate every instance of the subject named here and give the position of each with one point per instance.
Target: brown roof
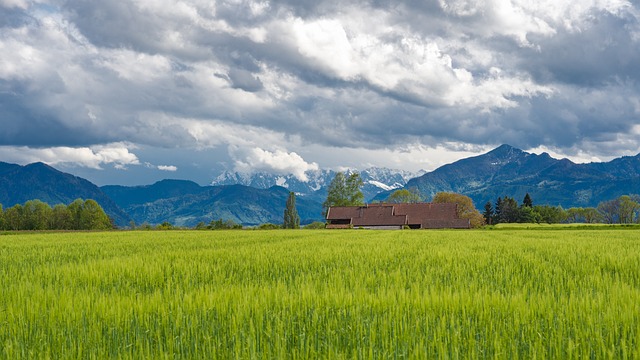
(423, 215)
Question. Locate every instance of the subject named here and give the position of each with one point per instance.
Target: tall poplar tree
(291, 218)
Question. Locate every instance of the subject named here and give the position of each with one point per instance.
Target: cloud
(194, 76)
(117, 154)
(279, 162)
(22, 4)
(170, 168)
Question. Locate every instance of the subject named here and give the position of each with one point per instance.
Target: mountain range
(375, 180)
(252, 199)
(508, 171)
(185, 203)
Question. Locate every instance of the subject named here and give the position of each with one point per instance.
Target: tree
(36, 215)
(93, 217)
(353, 185)
(497, 212)
(315, 225)
(609, 211)
(291, 218)
(488, 213)
(591, 215)
(627, 209)
(223, 225)
(466, 209)
(550, 214)
(575, 215)
(527, 215)
(402, 196)
(75, 211)
(527, 202)
(344, 191)
(165, 226)
(13, 218)
(508, 210)
(61, 218)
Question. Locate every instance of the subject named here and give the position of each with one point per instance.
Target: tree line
(37, 215)
(622, 210)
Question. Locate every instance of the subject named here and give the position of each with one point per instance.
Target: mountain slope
(507, 171)
(19, 184)
(184, 203)
(126, 196)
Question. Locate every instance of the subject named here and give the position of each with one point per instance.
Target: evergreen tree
(527, 202)
(497, 212)
(291, 218)
(488, 213)
(509, 210)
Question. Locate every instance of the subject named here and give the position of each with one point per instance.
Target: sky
(133, 91)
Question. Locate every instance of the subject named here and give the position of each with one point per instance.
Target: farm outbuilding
(396, 216)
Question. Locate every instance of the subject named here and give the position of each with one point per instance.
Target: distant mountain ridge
(508, 171)
(19, 184)
(375, 180)
(185, 203)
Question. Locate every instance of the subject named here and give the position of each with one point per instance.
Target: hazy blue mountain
(375, 180)
(126, 196)
(184, 203)
(508, 171)
(19, 184)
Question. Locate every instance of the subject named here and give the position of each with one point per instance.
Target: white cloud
(325, 42)
(279, 162)
(170, 168)
(117, 154)
(22, 4)
(134, 66)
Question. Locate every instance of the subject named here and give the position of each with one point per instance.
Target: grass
(321, 294)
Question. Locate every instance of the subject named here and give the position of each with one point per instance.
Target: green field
(321, 294)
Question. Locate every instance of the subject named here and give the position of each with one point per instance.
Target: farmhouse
(396, 216)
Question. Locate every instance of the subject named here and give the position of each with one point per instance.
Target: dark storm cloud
(604, 52)
(364, 74)
(245, 80)
(14, 18)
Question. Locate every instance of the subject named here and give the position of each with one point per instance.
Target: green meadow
(303, 294)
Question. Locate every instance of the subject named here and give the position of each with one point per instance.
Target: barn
(396, 216)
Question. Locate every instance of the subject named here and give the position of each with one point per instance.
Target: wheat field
(304, 294)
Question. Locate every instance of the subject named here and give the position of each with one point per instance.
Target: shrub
(315, 225)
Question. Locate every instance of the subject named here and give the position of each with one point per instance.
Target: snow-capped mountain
(375, 180)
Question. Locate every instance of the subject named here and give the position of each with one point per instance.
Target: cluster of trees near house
(38, 215)
(622, 210)
(345, 191)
